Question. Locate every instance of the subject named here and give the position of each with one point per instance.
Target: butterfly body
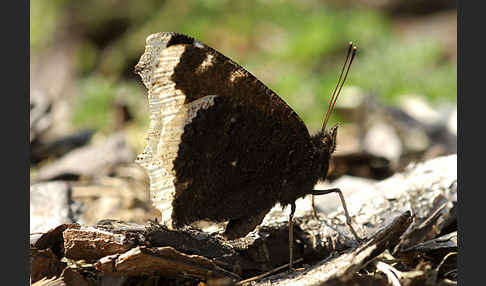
(221, 145)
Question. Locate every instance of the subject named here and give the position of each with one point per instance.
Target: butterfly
(221, 146)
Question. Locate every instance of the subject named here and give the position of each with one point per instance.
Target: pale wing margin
(168, 116)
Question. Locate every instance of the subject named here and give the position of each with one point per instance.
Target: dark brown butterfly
(222, 146)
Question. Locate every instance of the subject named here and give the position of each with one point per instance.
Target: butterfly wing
(220, 143)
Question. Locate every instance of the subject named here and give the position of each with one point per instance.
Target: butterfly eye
(137, 69)
(333, 137)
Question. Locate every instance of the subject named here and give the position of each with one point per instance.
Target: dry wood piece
(92, 244)
(435, 250)
(110, 237)
(72, 277)
(51, 239)
(49, 282)
(445, 242)
(44, 264)
(46, 253)
(164, 261)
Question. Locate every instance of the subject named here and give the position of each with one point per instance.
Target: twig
(263, 275)
(389, 271)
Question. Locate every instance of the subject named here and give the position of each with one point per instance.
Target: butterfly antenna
(336, 88)
(339, 85)
(355, 49)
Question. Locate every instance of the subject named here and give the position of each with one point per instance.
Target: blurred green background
(86, 50)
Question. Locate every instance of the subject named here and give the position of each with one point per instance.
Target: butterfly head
(324, 144)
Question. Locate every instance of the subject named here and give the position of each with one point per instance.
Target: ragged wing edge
(168, 116)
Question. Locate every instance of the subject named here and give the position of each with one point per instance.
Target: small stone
(382, 140)
(50, 206)
(417, 107)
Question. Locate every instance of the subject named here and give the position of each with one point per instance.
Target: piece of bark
(193, 241)
(53, 281)
(437, 247)
(114, 238)
(164, 261)
(448, 222)
(432, 262)
(91, 244)
(72, 277)
(46, 253)
(51, 239)
(430, 227)
(89, 160)
(44, 264)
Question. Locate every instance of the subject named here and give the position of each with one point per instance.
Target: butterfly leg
(348, 218)
(291, 236)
